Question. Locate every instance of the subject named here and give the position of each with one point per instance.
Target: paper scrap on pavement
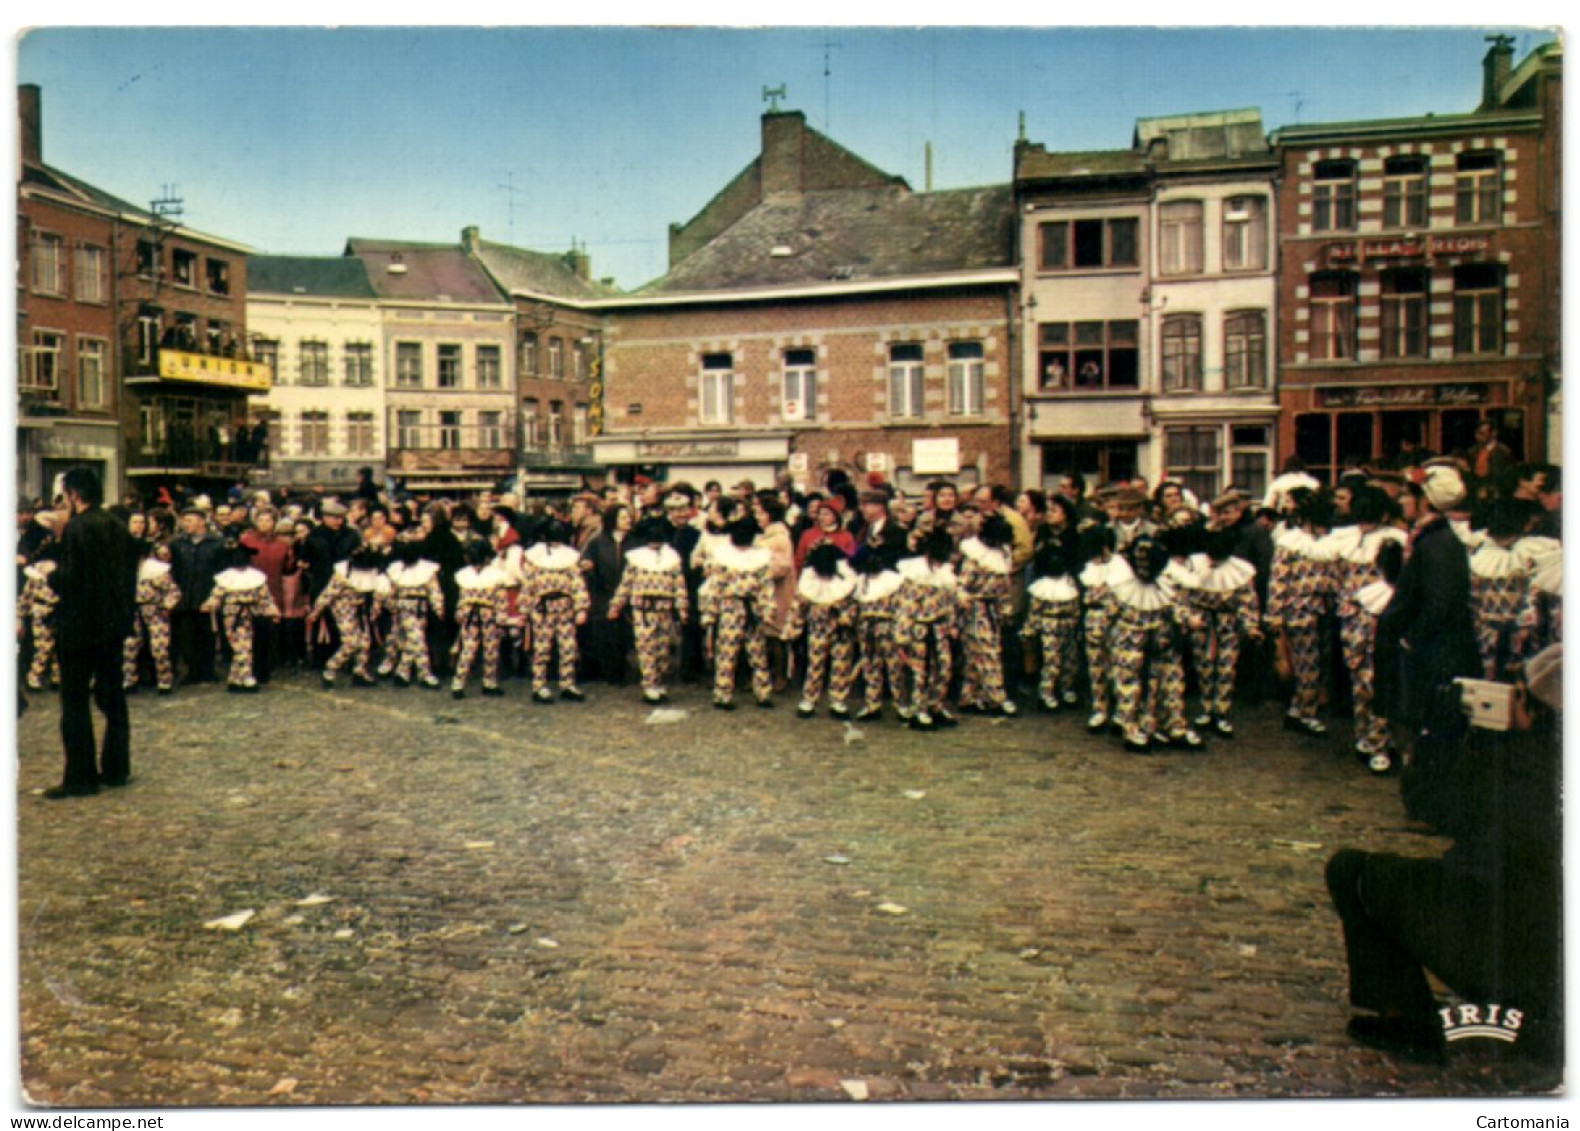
(314, 900)
(836, 859)
(915, 794)
(284, 1088)
(855, 1089)
(892, 908)
(479, 844)
(344, 933)
(548, 944)
(662, 716)
(1298, 845)
(231, 922)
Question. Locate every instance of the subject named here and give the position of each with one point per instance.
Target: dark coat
(322, 550)
(1426, 637)
(608, 567)
(96, 582)
(889, 542)
(1255, 545)
(194, 565)
(444, 549)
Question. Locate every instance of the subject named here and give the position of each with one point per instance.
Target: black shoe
(234, 688)
(132, 690)
(923, 721)
(544, 696)
(401, 681)
(945, 719)
(1186, 740)
(1414, 1038)
(1222, 728)
(869, 714)
(457, 694)
(363, 680)
(1137, 746)
(766, 704)
(167, 691)
(575, 694)
(494, 692)
(1311, 728)
(840, 712)
(723, 705)
(327, 680)
(60, 792)
(805, 711)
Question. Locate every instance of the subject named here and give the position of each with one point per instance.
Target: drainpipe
(1012, 315)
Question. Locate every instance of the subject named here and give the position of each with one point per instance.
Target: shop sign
(936, 457)
(1393, 396)
(178, 365)
(1414, 248)
(687, 449)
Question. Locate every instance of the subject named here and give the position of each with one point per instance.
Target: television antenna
(510, 206)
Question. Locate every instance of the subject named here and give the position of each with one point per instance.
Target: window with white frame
(1182, 353)
(151, 426)
(314, 434)
(490, 429)
(1404, 191)
(313, 366)
(1404, 305)
(450, 430)
(91, 274)
(966, 379)
(907, 380)
(583, 355)
(800, 384)
(408, 428)
(1478, 188)
(716, 399)
(449, 366)
(148, 334)
(1191, 457)
(557, 359)
(1478, 308)
(266, 351)
(93, 366)
(359, 363)
(488, 367)
(1180, 237)
(49, 264)
(48, 360)
(1333, 316)
(1245, 349)
(408, 365)
(556, 423)
(1333, 196)
(529, 422)
(528, 358)
(1250, 457)
(359, 434)
(1245, 233)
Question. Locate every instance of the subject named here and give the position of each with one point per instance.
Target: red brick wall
(63, 314)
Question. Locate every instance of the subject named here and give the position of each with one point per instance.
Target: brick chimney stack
(471, 240)
(30, 123)
(1496, 66)
(784, 138)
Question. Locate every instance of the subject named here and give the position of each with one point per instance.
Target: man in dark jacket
(331, 542)
(195, 560)
(97, 586)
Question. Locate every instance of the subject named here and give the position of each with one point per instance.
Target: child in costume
(988, 604)
(825, 609)
(157, 597)
(1102, 570)
(480, 613)
(654, 587)
(1147, 646)
(239, 597)
(877, 608)
(556, 603)
(1357, 569)
(737, 603)
(1300, 589)
(1223, 599)
(1053, 618)
(1500, 578)
(414, 595)
(356, 592)
(35, 607)
(930, 606)
(1360, 648)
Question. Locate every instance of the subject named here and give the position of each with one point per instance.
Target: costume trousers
(409, 637)
(1358, 634)
(153, 625)
(356, 643)
(1149, 683)
(932, 663)
(736, 629)
(239, 635)
(44, 658)
(1058, 633)
(879, 658)
(1305, 656)
(1099, 665)
(93, 675)
(982, 682)
(831, 656)
(554, 623)
(479, 631)
(1216, 649)
(654, 628)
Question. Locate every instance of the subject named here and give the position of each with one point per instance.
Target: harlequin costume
(414, 595)
(355, 594)
(930, 605)
(653, 587)
(1053, 619)
(36, 607)
(157, 598)
(1223, 599)
(556, 602)
(988, 604)
(1147, 643)
(1500, 578)
(480, 614)
(240, 596)
(737, 602)
(825, 609)
(1097, 617)
(877, 609)
(1300, 593)
(1541, 618)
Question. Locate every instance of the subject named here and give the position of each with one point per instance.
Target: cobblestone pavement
(564, 904)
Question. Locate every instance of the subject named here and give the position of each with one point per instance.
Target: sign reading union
(687, 449)
(178, 365)
(1402, 395)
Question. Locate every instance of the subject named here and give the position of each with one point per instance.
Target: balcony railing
(225, 459)
(553, 456)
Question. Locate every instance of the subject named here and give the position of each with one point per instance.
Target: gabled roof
(48, 181)
(424, 272)
(519, 271)
(319, 276)
(851, 235)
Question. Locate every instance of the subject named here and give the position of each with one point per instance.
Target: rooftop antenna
(772, 95)
(168, 207)
(1300, 100)
(510, 205)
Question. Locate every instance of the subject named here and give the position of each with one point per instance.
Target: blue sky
(292, 139)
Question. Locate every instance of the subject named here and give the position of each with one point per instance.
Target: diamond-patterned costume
(36, 607)
(825, 609)
(556, 599)
(1223, 599)
(1500, 581)
(414, 595)
(988, 604)
(737, 603)
(1097, 600)
(1053, 618)
(353, 597)
(239, 597)
(877, 609)
(930, 605)
(481, 608)
(654, 586)
(157, 598)
(1359, 589)
(1299, 595)
(1146, 647)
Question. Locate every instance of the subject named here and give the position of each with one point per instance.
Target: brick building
(818, 315)
(1419, 274)
(132, 337)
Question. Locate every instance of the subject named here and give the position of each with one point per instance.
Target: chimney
(1496, 67)
(30, 123)
(470, 240)
(784, 137)
(579, 262)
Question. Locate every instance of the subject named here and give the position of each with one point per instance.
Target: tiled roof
(48, 179)
(847, 235)
(519, 270)
(323, 276)
(426, 272)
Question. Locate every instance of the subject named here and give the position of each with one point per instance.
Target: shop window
(1245, 233)
(1478, 188)
(717, 395)
(1404, 192)
(1245, 349)
(966, 370)
(1333, 316)
(799, 401)
(1314, 443)
(1333, 196)
(1250, 457)
(1478, 308)
(1404, 307)
(1098, 461)
(1180, 238)
(1355, 446)
(907, 381)
(1182, 353)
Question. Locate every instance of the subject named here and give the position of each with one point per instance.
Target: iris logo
(1488, 1022)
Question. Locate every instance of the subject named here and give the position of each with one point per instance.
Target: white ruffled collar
(878, 586)
(544, 556)
(654, 559)
(150, 569)
(1059, 588)
(362, 580)
(1137, 594)
(820, 590)
(1492, 562)
(1374, 598)
(1549, 578)
(743, 559)
(413, 576)
(1538, 549)
(921, 572)
(1222, 577)
(1098, 573)
(489, 577)
(980, 554)
(1300, 543)
(240, 579)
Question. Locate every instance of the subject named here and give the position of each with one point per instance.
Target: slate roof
(519, 270)
(1033, 162)
(851, 235)
(434, 272)
(322, 276)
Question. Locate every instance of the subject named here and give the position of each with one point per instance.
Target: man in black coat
(196, 555)
(97, 585)
(329, 543)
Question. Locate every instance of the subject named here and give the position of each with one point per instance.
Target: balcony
(183, 453)
(227, 368)
(558, 457)
(447, 448)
